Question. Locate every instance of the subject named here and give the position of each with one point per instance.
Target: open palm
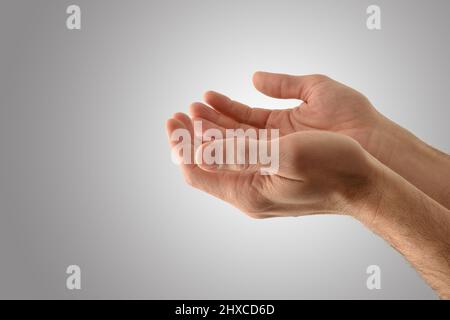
(327, 105)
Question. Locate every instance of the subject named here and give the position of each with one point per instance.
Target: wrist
(362, 194)
(385, 139)
(404, 153)
(365, 204)
(413, 224)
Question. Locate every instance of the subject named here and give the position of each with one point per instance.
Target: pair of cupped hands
(328, 149)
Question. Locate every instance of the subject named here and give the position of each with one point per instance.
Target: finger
(205, 126)
(285, 86)
(173, 124)
(212, 183)
(188, 123)
(180, 136)
(240, 112)
(184, 118)
(200, 110)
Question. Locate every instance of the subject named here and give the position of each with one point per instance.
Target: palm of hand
(328, 105)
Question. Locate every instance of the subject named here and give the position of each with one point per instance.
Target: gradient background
(85, 170)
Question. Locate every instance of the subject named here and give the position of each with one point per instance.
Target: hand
(331, 106)
(328, 105)
(318, 172)
(322, 172)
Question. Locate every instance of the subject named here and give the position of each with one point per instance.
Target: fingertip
(216, 99)
(195, 107)
(182, 117)
(177, 114)
(172, 124)
(168, 121)
(208, 94)
(211, 97)
(257, 74)
(257, 77)
(195, 104)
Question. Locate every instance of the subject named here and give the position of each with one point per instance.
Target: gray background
(85, 171)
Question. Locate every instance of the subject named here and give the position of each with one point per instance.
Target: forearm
(414, 224)
(426, 168)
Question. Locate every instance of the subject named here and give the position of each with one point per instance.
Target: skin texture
(335, 156)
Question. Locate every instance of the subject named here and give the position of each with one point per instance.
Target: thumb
(283, 86)
(239, 154)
